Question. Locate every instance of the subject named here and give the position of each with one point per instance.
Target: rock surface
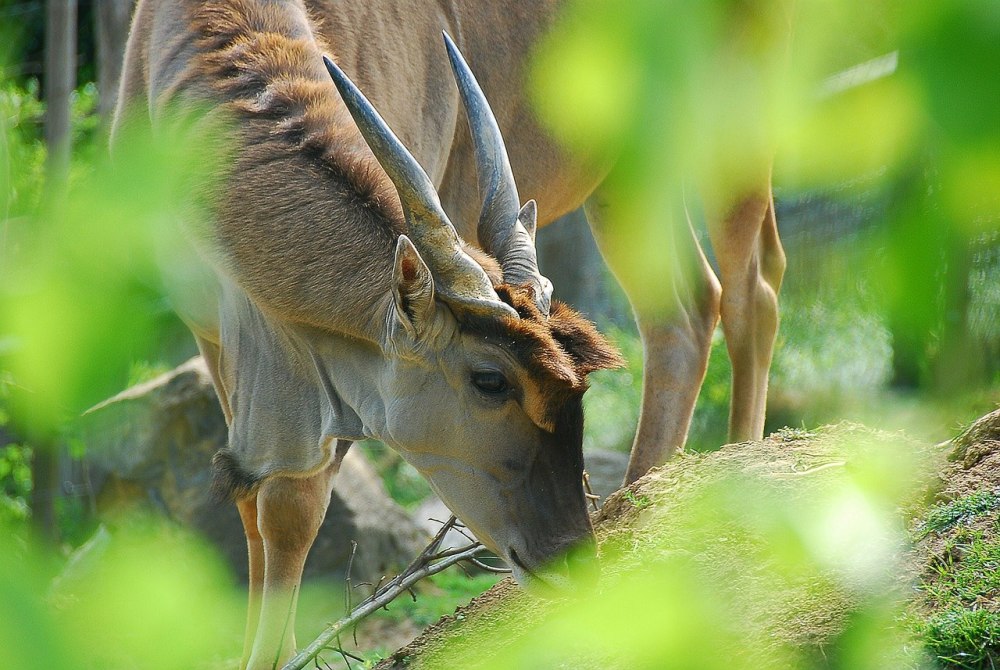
(152, 445)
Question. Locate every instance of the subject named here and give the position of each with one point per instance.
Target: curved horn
(504, 227)
(461, 281)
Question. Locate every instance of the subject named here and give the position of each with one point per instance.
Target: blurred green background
(888, 201)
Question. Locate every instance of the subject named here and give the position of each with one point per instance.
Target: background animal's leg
(255, 551)
(751, 265)
(676, 306)
(289, 514)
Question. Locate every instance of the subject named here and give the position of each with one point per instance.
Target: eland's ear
(412, 287)
(528, 217)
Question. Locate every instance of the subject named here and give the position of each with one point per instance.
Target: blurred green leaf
(153, 596)
(82, 296)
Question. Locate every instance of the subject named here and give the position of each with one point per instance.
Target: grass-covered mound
(843, 547)
(958, 549)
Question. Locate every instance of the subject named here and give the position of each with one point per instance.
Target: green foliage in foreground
(148, 595)
(81, 298)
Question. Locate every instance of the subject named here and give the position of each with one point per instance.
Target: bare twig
(340, 649)
(347, 578)
(489, 568)
(346, 655)
(461, 566)
(347, 597)
(429, 562)
(809, 471)
(589, 492)
(284, 631)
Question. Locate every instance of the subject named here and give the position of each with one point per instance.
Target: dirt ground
(671, 512)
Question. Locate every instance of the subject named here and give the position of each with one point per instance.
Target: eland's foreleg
(289, 514)
(751, 265)
(676, 306)
(255, 552)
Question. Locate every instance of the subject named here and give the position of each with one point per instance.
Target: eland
(371, 273)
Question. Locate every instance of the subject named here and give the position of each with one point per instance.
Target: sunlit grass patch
(966, 569)
(956, 610)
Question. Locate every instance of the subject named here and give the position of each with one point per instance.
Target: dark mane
(306, 221)
(268, 66)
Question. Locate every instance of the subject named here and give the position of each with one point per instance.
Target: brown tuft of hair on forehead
(579, 338)
(559, 350)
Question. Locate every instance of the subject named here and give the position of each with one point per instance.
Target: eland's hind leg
(676, 304)
(289, 514)
(751, 266)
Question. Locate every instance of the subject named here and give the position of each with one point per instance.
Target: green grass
(945, 516)
(967, 569)
(961, 632)
(402, 481)
(965, 638)
(144, 371)
(611, 406)
(832, 357)
(639, 502)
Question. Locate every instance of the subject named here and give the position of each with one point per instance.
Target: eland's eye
(490, 382)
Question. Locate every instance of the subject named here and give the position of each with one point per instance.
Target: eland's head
(485, 374)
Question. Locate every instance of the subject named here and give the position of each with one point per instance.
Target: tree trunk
(962, 360)
(44, 491)
(111, 23)
(60, 80)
